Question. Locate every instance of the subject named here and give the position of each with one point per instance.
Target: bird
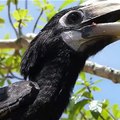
(57, 55)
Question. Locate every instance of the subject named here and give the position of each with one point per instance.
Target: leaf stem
(10, 20)
(34, 28)
(26, 4)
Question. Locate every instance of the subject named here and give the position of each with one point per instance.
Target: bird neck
(56, 81)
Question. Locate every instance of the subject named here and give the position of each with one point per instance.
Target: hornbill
(58, 53)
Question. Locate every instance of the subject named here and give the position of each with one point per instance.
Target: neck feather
(56, 81)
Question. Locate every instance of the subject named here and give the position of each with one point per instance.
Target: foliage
(21, 17)
(83, 105)
(1, 19)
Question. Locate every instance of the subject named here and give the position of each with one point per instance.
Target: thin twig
(83, 116)
(37, 20)
(20, 28)
(14, 76)
(16, 5)
(10, 20)
(102, 118)
(26, 4)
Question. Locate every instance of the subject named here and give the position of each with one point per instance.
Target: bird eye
(74, 17)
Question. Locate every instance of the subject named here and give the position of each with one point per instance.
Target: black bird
(58, 53)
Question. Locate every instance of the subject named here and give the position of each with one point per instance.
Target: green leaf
(78, 82)
(16, 24)
(87, 95)
(9, 61)
(15, 2)
(2, 7)
(66, 3)
(77, 108)
(7, 36)
(2, 21)
(87, 113)
(105, 104)
(12, 1)
(97, 81)
(28, 18)
(43, 4)
(86, 83)
(95, 115)
(71, 105)
(95, 88)
(44, 1)
(16, 15)
(37, 3)
(83, 76)
(81, 1)
(24, 24)
(116, 110)
(43, 19)
(9, 82)
(105, 115)
(48, 7)
(2, 82)
(80, 91)
(20, 14)
(50, 14)
(39, 26)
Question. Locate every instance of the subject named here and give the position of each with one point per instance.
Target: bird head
(84, 29)
(88, 28)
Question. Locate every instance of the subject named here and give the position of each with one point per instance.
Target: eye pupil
(74, 18)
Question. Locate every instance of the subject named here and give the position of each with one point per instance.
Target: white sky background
(110, 56)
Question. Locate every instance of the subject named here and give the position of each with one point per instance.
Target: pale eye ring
(75, 17)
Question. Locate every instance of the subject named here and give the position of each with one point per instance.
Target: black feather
(55, 66)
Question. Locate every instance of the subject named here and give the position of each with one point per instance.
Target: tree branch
(90, 67)
(16, 44)
(12, 44)
(102, 71)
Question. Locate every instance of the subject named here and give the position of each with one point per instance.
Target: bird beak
(102, 29)
(100, 20)
(100, 24)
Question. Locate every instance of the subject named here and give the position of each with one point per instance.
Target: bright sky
(109, 56)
